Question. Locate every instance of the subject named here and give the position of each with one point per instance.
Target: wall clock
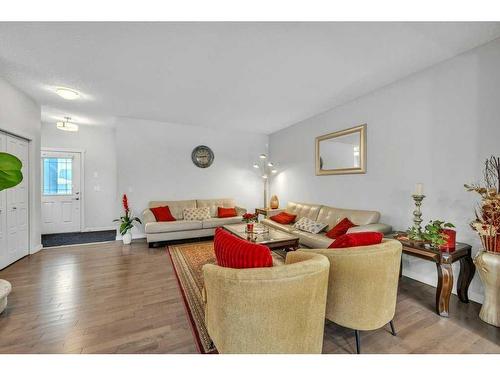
(202, 156)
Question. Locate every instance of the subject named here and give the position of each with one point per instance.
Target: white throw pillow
(201, 213)
(308, 225)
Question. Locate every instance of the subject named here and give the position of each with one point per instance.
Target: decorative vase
(488, 267)
(275, 203)
(249, 227)
(127, 238)
(491, 243)
(450, 237)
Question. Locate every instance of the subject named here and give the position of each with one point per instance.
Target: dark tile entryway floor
(62, 239)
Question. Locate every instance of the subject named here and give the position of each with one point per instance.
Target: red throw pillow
(234, 252)
(226, 212)
(162, 213)
(283, 218)
(341, 228)
(357, 239)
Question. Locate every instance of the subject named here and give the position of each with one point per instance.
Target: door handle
(14, 208)
(77, 199)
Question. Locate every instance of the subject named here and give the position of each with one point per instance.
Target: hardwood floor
(110, 298)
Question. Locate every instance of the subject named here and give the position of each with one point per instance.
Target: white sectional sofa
(180, 229)
(366, 221)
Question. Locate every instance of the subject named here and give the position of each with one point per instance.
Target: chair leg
(358, 342)
(393, 331)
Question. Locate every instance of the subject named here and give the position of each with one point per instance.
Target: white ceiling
(258, 77)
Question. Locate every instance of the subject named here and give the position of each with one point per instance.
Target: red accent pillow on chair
(162, 213)
(234, 252)
(226, 212)
(341, 228)
(357, 239)
(283, 218)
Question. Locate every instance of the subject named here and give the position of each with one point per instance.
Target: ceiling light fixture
(256, 165)
(270, 164)
(262, 156)
(67, 94)
(66, 125)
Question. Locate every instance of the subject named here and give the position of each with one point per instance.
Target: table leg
(467, 270)
(445, 285)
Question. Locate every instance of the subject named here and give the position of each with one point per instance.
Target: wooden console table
(443, 261)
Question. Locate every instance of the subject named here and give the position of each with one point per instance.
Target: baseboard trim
(36, 249)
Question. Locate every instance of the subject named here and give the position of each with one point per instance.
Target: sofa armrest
(240, 211)
(148, 216)
(378, 227)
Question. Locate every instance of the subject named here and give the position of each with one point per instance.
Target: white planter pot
(127, 238)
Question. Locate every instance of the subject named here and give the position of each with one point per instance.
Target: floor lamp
(266, 169)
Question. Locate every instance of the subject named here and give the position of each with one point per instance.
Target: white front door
(61, 193)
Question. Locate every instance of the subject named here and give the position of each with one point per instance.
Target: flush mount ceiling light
(66, 125)
(262, 156)
(67, 94)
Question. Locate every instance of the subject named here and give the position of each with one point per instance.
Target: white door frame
(82, 177)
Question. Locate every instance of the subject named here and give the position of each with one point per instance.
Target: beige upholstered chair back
(213, 204)
(307, 210)
(363, 284)
(268, 310)
(332, 215)
(176, 207)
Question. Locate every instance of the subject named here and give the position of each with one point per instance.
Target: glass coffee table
(274, 239)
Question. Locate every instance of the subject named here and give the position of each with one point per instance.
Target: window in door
(57, 176)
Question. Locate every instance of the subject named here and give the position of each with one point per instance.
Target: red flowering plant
(127, 221)
(249, 218)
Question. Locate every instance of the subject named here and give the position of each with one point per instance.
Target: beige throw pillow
(201, 213)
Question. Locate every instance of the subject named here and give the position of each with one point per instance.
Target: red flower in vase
(249, 217)
(125, 203)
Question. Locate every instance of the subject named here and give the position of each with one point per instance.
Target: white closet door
(17, 205)
(3, 214)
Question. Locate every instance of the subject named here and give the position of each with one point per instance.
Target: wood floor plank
(111, 298)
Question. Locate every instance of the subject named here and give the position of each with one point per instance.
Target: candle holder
(417, 217)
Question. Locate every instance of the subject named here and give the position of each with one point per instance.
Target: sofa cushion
(308, 225)
(226, 212)
(215, 222)
(275, 225)
(332, 216)
(357, 239)
(283, 218)
(234, 252)
(173, 226)
(341, 228)
(213, 204)
(162, 213)
(201, 213)
(314, 241)
(176, 207)
(304, 210)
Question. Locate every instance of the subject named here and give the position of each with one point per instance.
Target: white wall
(100, 178)
(154, 163)
(20, 115)
(435, 127)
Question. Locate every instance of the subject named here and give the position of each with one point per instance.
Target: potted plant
(10, 171)
(439, 234)
(249, 219)
(127, 222)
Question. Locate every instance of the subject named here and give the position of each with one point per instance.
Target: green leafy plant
(127, 221)
(433, 232)
(10, 171)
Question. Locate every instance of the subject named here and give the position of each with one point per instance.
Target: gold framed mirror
(342, 152)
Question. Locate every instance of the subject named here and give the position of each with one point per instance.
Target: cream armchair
(268, 310)
(363, 286)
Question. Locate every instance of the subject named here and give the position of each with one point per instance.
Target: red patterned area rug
(188, 260)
